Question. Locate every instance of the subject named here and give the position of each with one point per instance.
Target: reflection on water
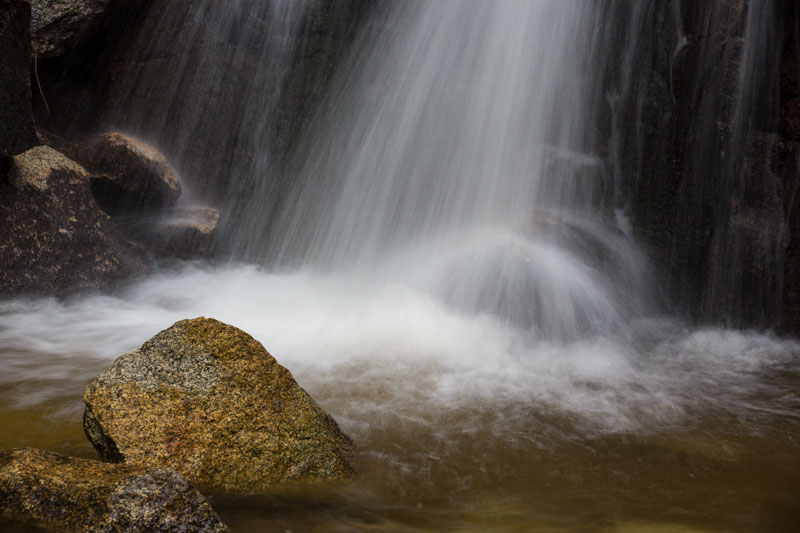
(463, 423)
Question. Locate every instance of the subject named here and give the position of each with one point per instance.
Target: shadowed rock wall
(196, 79)
(709, 158)
(17, 132)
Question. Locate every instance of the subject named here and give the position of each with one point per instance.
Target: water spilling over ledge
(479, 234)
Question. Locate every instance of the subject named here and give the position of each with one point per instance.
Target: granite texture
(54, 239)
(59, 25)
(206, 399)
(68, 494)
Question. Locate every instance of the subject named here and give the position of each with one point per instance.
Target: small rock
(17, 132)
(53, 237)
(68, 494)
(206, 399)
(180, 233)
(186, 233)
(129, 174)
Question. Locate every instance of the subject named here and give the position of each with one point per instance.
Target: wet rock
(789, 121)
(69, 494)
(707, 202)
(180, 233)
(17, 132)
(206, 399)
(128, 174)
(790, 118)
(59, 25)
(785, 163)
(186, 233)
(53, 237)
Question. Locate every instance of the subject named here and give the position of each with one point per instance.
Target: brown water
(462, 423)
(495, 466)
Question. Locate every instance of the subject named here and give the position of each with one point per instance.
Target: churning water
(449, 277)
(463, 422)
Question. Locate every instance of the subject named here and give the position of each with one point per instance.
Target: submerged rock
(53, 237)
(129, 174)
(17, 132)
(206, 399)
(69, 494)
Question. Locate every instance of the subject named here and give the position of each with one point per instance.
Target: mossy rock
(68, 494)
(206, 399)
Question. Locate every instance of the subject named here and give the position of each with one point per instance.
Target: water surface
(463, 422)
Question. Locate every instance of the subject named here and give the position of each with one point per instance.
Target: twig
(60, 138)
(36, 71)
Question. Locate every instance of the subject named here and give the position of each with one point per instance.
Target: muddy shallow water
(460, 425)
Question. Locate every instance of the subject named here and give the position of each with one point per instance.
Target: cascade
(460, 156)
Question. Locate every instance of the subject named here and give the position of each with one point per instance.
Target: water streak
(461, 149)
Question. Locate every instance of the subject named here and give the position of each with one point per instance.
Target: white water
(460, 160)
(458, 118)
(406, 352)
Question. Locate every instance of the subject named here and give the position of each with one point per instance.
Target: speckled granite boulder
(128, 174)
(68, 494)
(206, 399)
(54, 239)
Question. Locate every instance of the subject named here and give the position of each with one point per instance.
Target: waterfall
(467, 228)
(461, 156)
(498, 155)
(459, 150)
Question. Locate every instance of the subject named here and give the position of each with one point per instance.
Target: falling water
(212, 75)
(460, 158)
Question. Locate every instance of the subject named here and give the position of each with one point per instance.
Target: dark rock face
(53, 237)
(207, 400)
(709, 165)
(68, 494)
(185, 75)
(788, 164)
(58, 25)
(216, 57)
(17, 132)
(128, 174)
